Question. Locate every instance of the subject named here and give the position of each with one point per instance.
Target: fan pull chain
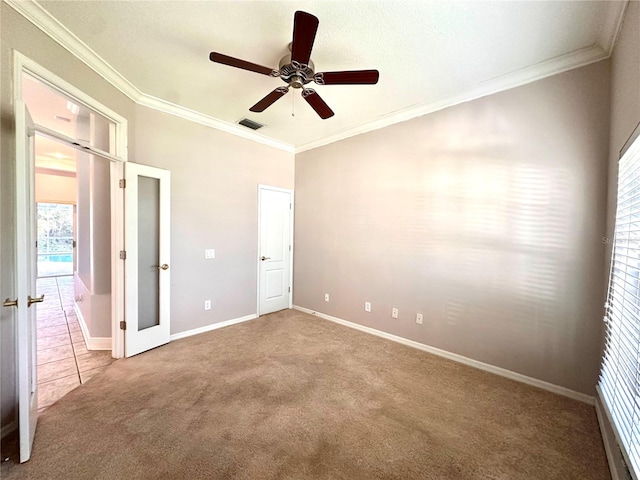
(293, 105)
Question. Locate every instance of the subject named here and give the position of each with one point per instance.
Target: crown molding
(209, 121)
(524, 76)
(36, 14)
(611, 26)
(42, 19)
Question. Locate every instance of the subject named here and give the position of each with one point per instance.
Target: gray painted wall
(92, 282)
(214, 204)
(486, 217)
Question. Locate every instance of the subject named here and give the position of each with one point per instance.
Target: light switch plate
(209, 253)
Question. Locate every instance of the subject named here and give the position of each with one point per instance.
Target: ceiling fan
(297, 69)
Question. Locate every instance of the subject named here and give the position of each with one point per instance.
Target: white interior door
(26, 280)
(275, 213)
(147, 273)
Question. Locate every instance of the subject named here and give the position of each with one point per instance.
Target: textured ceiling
(426, 52)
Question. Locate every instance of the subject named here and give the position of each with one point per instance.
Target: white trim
(23, 63)
(37, 15)
(457, 358)
(8, 428)
(209, 121)
(609, 441)
(92, 343)
(117, 265)
(291, 217)
(611, 26)
(74, 143)
(554, 66)
(42, 19)
(607, 414)
(214, 326)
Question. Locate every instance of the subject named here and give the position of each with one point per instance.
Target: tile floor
(64, 362)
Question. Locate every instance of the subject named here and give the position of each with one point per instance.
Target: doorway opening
(73, 236)
(62, 113)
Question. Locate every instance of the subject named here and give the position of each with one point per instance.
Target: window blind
(619, 383)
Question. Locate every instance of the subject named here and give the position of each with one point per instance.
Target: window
(619, 384)
(55, 239)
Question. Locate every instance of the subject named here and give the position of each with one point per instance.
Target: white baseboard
(8, 428)
(92, 343)
(214, 326)
(457, 358)
(617, 466)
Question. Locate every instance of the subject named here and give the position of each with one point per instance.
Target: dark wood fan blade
(236, 62)
(354, 77)
(317, 103)
(269, 100)
(305, 26)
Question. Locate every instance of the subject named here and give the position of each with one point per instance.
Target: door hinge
(289, 206)
(73, 244)
(123, 325)
(123, 255)
(289, 289)
(289, 247)
(122, 183)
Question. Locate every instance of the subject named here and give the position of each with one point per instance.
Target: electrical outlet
(209, 253)
(367, 306)
(326, 297)
(394, 313)
(207, 304)
(419, 318)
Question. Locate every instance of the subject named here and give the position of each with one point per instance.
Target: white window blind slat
(619, 382)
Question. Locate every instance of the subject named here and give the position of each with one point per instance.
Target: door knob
(164, 266)
(263, 258)
(31, 300)
(10, 303)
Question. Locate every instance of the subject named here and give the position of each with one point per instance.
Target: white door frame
(23, 64)
(289, 191)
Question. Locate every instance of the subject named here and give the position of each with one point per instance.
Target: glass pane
(52, 109)
(55, 239)
(148, 252)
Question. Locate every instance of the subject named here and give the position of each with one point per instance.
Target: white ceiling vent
(245, 122)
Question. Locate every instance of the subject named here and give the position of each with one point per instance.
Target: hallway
(64, 362)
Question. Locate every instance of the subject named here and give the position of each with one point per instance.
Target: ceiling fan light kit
(297, 69)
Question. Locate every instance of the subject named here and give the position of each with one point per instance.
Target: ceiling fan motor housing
(295, 74)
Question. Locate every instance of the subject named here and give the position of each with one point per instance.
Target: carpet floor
(291, 396)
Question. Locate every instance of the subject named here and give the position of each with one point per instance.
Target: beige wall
(486, 217)
(55, 188)
(214, 204)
